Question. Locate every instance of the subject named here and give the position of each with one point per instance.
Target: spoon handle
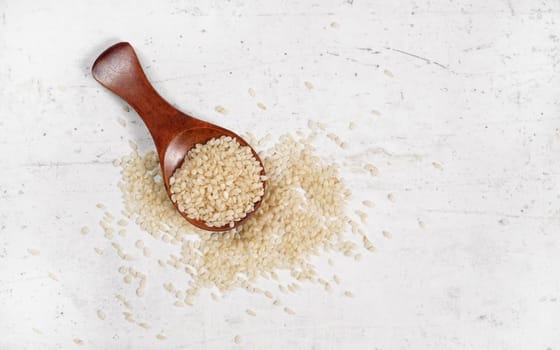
(119, 70)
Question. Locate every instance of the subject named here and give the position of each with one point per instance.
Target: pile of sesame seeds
(303, 215)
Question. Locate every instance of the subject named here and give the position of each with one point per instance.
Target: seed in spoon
(219, 182)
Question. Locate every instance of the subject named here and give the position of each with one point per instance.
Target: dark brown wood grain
(173, 131)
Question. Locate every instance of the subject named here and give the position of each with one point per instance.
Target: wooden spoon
(173, 131)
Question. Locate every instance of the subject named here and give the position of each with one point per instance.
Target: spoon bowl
(174, 132)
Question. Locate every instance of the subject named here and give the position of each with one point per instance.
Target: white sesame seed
(33, 251)
(368, 203)
(289, 311)
(101, 314)
(250, 312)
(220, 109)
(387, 234)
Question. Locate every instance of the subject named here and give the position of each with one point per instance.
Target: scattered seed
(388, 73)
(349, 294)
(101, 314)
(362, 215)
(84, 230)
(38, 331)
(289, 311)
(237, 339)
(367, 244)
(261, 106)
(220, 109)
(78, 341)
(251, 92)
(308, 85)
(161, 337)
(368, 204)
(146, 251)
(372, 169)
(53, 277)
(250, 312)
(33, 251)
(387, 234)
(391, 197)
(128, 316)
(437, 166)
(122, 122)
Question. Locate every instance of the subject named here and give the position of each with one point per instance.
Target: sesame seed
(250, 312)
(101, 314)
(289, 311)
(33, 251)
(220, 109)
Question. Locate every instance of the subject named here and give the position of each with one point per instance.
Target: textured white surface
(470, 85)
